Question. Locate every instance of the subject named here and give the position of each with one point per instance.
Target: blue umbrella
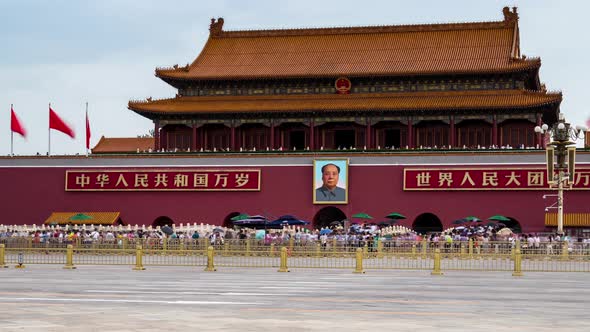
(287, 220)
(326, 231)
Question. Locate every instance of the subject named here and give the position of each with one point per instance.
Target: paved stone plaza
(101, 298)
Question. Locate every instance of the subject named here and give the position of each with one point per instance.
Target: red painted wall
(29, 195)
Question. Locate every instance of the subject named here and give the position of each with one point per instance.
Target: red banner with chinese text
(416, 179)
(163, 180)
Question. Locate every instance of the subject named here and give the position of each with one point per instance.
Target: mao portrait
(330, 181)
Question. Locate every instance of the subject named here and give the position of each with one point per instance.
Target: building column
(311, 135)
(156, 135)
(495, 131)
(540, 140)
(410, 134)
(368, 136)
(452, 135)
(272, 136)
(163, 140)
(233, 137)
(194, 138)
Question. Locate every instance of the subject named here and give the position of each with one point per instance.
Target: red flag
(55, 122)
(87, 132)
(15, 124)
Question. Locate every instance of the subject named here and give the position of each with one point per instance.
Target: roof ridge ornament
(510, 16)
(216, 27)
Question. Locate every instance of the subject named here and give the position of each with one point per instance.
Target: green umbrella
(472, 219)
(80, 216)
(240, 216)
(498, 218)
(395, 216)
(491, 223)
(362, 216)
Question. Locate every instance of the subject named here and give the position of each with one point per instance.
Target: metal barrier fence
(307, 248)
(362, 258)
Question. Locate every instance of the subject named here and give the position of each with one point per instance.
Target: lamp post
(561, 154)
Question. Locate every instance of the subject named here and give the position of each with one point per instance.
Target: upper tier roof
(430, 49)
(407, 101)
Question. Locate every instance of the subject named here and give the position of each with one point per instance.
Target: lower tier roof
(449, 100)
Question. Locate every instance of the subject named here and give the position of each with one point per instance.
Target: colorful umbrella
(395, 216)
(240, 216)
(499, 218)
(472, 219)
(362, 216)
(80, 216)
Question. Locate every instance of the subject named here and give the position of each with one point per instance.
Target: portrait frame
(319, 195)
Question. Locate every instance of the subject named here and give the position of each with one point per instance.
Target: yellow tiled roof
(96, 218)
(494, 99)
(481, 47)
(123, 144)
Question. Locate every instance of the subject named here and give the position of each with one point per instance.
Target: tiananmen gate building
(433, 121)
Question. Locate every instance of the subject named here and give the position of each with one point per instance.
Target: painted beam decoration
(163, 180)
(429, 179)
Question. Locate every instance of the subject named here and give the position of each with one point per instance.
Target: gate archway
(514, 225)
(227, 222)
(326, 215)
(427, 223)
(162, 221)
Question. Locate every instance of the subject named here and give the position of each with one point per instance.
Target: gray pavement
(106, 298)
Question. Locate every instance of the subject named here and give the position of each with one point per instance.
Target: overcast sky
(105, 52)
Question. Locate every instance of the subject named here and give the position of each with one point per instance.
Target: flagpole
(85, 124)
(11, 132)
(49, 130)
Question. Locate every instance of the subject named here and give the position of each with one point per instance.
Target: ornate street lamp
(561, 156)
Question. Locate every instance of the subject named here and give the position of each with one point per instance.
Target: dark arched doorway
(427, 223)
(327, 215)
(514, 225)
(162, 221)
(227, 222)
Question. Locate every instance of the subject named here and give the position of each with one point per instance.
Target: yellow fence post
(413, 250)
(462, 251)
(359, 261)
(283, 267)
(210, 253)
(380, 248)
(226, 248)
(318, 250)
(272, 250)
(517, 263)
(424, 247)
(291, 242)
(366, 250)
(69, 258)
(470, 248)
(248, 247)
(436, 271)
(334, 247)
(164, 245)
(2, 261)
(564, 251)
(513, 249)
(139, 258)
